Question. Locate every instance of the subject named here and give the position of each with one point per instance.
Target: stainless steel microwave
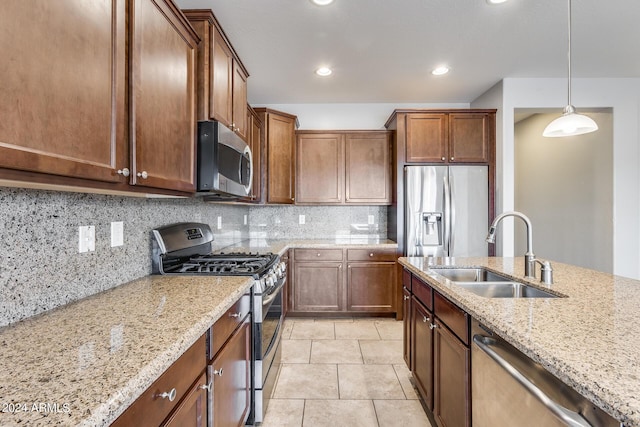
(225, 168)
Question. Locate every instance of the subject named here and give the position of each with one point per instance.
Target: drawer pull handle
(171, 395)
(318, 254)
(207, 386)
(433, 326)
(218, 373)
(238, 314)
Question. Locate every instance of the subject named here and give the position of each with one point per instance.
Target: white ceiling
(382, 51)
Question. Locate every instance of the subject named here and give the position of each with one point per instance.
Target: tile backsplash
(41, 268)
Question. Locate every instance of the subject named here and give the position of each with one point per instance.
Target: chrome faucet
(529, 258)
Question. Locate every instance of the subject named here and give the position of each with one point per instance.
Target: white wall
(565, 186)
(623, 97)
(348, 116)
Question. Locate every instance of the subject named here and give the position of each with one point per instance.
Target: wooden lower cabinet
(371, 286)
(318, 286)
(180, 380)
(406, 326)
(440, 357)
(451, 387)
(192, 411)
(230, 376)
(342, 281)
(422, 350)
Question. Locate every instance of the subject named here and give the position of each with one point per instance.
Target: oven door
(267, 349)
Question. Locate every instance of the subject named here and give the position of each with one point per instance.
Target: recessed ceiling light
(440, 71)
(322, 2)
(324, 71)
(496, 1)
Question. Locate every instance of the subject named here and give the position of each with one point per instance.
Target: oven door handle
(273, 294)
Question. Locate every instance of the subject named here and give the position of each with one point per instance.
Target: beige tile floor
(344, 372)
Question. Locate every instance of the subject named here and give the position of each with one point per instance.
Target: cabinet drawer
(406, 279)
(223, 328)
(451, 315)
(423, 292)
(371, 255)
(150, 408)
(318, 254)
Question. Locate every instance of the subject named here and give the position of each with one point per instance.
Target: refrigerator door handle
(447, 215)
(452, 216)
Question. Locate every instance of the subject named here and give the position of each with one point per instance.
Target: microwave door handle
(247, 151)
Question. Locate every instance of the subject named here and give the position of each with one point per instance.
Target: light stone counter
(91, 359)
(280, 246)
(590, 340)
(86, 362)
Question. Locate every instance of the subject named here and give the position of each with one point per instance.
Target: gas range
(186, 249)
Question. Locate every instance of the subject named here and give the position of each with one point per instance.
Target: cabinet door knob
(143, 174)
(171, 395)
(218, 372)
(443, 159)
(206, 386)
(433, 326)
(406, 297)
(124, 172)
(318, 254)
(293, 199)
(371, 254)
(238, 314)
(451, 158)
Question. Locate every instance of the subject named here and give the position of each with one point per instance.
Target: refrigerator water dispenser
(431, 228)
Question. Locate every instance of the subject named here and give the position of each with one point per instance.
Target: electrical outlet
(86, 238)
(301, 219)
(371, 220)
(219, 222)
(117, 234)
(245, 220)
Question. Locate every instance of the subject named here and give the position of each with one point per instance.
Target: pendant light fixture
(570, 123)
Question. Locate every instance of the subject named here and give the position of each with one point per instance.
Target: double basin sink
(488, 284)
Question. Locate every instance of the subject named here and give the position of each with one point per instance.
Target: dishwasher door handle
(568, 416)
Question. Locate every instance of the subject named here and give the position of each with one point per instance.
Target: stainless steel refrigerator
(446, 210)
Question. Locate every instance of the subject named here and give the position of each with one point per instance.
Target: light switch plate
(86, 238)
(371, 220)
(245, 220)
(301, 219)
(219, 222)
(117, 234)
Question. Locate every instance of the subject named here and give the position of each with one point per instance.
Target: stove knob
(268, 282)
(262, 285)
(274, 278)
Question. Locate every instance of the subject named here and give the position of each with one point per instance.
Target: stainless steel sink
(470, 275)
(505, 290)
(488, 284)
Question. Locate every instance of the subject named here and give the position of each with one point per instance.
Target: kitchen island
(86, 362)
(589, 339)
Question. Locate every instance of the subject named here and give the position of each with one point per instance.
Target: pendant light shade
(570, 123)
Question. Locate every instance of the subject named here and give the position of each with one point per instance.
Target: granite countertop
(86, 362)
(590, 339)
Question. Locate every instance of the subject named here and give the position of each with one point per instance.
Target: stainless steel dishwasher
(509, 389)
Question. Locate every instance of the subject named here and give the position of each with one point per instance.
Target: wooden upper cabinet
(255, 137)
(469, 137)
(449, 137)
(239, 122)
(222, 78)
(319, 168)
(280, 150)
(427, 138)
(343, 167)
(368, 168)
(62, 97)
(163, 97)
